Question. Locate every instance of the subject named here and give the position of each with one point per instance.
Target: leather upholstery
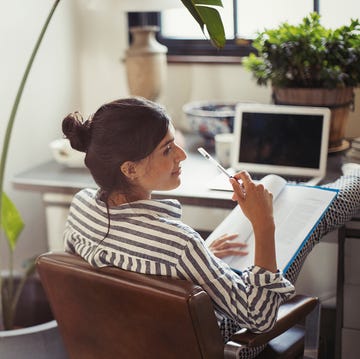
(112, 313)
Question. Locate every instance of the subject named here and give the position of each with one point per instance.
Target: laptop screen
(281, 139)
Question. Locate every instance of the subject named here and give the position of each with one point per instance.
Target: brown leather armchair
(110, 313)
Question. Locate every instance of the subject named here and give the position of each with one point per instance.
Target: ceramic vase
(146, 63)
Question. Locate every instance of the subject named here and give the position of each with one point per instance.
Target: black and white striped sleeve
(251, 299)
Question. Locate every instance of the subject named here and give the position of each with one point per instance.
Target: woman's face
(161, 169)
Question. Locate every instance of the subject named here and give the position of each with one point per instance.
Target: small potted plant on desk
(308, 64)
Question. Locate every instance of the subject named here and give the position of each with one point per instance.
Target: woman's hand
(223, 246)
(254, 199)
(257, 205)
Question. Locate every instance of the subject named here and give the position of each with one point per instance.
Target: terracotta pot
(146, 63)
(339, 101)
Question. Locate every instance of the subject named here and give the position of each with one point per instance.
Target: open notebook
(297, 211)
(290, 141)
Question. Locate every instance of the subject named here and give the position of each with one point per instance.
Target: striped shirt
(148, 237)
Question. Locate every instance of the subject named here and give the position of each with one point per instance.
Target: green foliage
(307, 55)
(11, 221)
(206, 15)
(11, 292)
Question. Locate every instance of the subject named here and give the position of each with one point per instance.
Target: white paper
(297, 210)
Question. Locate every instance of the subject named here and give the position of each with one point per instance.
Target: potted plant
(308, 64)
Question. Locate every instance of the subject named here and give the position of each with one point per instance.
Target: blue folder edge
(311, 231)
(315, 225)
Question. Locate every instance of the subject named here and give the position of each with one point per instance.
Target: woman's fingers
(240, 183)
(224, 240)
(253, 198)
(243, 176)
(225, 237)
(225, 246)
(229, 252)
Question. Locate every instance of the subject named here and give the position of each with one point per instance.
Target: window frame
(191, 50)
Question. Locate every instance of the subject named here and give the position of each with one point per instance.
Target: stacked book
(354, 151)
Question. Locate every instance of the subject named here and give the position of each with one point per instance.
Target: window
(241, 19)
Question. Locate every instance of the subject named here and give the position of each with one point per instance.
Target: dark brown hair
(119, 131)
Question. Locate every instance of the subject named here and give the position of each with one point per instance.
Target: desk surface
(196, 174)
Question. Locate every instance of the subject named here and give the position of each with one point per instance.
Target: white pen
(221, 168)
(216, 163)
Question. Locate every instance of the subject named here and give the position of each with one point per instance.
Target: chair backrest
(112, 313)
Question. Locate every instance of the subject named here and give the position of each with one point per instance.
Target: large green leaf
(213, 21)
(11, 221)
(205, 14)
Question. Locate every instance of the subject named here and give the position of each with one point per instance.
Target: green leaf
(193, 11)
(209, 17)
(213, 21)
(11, 221)
(208, 2)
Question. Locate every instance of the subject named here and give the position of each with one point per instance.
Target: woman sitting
(130, 152)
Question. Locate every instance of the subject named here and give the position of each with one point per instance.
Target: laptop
(291, 141)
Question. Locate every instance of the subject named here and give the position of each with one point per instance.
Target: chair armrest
(290, 313)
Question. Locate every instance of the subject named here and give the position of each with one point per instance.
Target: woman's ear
(128, 168)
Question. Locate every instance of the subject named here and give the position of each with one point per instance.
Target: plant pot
(338, 100)
(38, 336)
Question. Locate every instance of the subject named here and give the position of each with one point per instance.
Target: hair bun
(77, 131)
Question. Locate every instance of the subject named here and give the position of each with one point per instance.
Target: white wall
(51, 91)
(79, 67)
(103, 44)
(102, 28)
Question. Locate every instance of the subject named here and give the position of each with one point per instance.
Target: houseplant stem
(204, 15)
(12, 117)
(15, 106)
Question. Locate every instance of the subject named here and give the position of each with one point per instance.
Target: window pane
(332, 16)
(256, 15)
(179, 24)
